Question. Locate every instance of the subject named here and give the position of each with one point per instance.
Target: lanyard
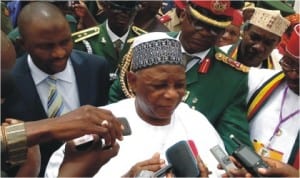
(281, 118)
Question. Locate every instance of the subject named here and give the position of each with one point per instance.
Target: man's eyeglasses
(199, 25)
(288, 67)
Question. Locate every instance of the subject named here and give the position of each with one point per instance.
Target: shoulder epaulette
(84, 34)
(233, 63)
(165, 18)
(138, 31)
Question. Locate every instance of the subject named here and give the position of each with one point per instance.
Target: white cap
(269, 20)
(155, 48)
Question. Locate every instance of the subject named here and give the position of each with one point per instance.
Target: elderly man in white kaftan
(156, 115)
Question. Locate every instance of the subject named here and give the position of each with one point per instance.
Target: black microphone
(181, 157)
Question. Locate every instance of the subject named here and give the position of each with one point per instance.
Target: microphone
(182, 161)
(182, 157)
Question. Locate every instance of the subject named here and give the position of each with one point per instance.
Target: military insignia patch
(218, 7)
(86, 33)
(237, 65)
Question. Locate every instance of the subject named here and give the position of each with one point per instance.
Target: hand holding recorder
(248, 158)
(84, 142)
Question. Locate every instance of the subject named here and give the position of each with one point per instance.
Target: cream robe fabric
(147, 139)
(264, 123)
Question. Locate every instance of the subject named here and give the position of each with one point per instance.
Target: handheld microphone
(182, 159)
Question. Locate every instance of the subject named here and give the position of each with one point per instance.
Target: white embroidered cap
(155, 48)
(270, 20)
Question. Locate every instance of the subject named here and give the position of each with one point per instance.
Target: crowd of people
(177, 70)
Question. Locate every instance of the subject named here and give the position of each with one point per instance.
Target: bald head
(39, 13)
(8, 53)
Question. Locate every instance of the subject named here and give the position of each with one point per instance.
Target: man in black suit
(80, 78)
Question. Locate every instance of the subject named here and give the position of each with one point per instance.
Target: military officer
(216, 85)
(112, 38)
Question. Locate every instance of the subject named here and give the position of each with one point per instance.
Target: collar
(39, 76)
(201, 54)
(115, 37)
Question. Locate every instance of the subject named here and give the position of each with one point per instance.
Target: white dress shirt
(66, 85)
(115, 37)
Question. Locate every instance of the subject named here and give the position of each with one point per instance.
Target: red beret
(292, 46)
(180, 4)
(237, 19)
(218, 7)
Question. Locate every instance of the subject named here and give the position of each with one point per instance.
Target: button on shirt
(66, 85)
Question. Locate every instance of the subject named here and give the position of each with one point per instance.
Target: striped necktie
(118, 46)
(55, 101)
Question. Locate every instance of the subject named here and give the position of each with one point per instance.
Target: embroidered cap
(292, 46)
(153, 49)
(269, 20)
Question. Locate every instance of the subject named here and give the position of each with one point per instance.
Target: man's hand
(83, 120)
(88, 162)
(32, 165)
(278, 169)
(204, 172)
(153, 164)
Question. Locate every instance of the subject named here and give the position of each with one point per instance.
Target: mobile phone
(183, 162)
(248, 158)
(223, 159)
(162, 172)
(84, 142)
(127, 129)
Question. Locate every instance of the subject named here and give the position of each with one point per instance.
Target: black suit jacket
(92, 77)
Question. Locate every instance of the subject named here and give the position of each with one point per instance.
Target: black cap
(124, 5)
(285, 8)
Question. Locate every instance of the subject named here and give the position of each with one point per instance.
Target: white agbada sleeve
(256, 77)
(54, 162)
